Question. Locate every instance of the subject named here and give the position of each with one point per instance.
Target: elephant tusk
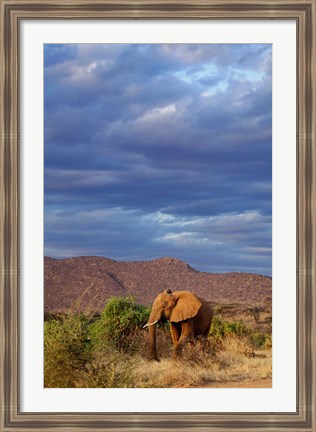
(150, 324)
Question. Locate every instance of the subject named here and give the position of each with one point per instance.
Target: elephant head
(174, 307)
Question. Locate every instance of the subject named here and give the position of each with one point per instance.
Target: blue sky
(160, 150)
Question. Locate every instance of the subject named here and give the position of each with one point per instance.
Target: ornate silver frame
(11, 14)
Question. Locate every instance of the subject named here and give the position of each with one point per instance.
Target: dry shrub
(163, 374)
(80, 352)
(108, 369)
(72, 359)
(237, 347)
(66, 352)
(237, 361)
(232, 360)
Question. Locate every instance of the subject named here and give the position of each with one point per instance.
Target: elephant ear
(187, 306)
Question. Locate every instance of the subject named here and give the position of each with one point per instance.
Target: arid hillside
(85, 283)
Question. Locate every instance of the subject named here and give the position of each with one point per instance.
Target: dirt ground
(262, 383)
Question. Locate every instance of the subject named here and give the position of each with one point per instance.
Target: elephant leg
(175, 334)
(187, 334)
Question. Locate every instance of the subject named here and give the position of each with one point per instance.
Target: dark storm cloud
(137, 136)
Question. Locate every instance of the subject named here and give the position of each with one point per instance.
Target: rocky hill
(85, 283)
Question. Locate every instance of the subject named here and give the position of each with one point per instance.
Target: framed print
(157, 204)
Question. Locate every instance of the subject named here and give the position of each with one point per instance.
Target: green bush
(120, 322)
(73, 359)
(217, 329)
(66, 350)
(108, 368)
(220, 330)
(260, 340)
(236, 327)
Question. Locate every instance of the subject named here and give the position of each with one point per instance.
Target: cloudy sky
(160, 150)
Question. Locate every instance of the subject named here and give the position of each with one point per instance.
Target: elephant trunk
(153, 319)
(152, 337)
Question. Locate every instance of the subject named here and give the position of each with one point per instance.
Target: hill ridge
(87, 282)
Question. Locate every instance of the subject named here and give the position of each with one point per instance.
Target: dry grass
(76, 357)
(234, 361)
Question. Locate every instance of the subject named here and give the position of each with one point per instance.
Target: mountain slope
(85, 283)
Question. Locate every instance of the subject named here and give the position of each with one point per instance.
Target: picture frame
(303, 12)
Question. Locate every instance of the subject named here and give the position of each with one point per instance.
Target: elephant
(189, 316)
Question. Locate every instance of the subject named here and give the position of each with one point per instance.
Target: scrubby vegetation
(111, 350)
(120, 324)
